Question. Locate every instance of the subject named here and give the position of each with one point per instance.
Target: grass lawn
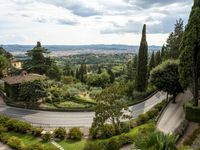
(72, 145)
(29, 139)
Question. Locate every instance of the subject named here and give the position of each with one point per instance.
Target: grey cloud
(66, 22)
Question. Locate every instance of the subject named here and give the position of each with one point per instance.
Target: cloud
(66, 22)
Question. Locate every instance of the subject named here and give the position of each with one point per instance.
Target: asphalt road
(174, 113)
(49, 119)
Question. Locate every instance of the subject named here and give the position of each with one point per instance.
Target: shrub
(153, 113)
(46, 136)
(36, 131)
(94, 146)
(4, 138)
(93, 132)
(191, 112)
(3, 119)
(75, 134)
(125, 139)
(113, 144)
(2, 129)
(143, 118)
(16, 143)
(21, 127)
(107, 131)
(35, 147)
(60, 133)
(10, 124)
(125, 127)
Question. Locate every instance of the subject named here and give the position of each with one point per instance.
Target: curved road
(173, 114)
(49, 119)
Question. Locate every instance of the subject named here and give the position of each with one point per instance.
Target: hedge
(192, 112)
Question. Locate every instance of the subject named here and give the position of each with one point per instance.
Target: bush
(93, 132)
(10, 124)
(16, 143)
(60, 133)
(113, 144)
(46, 136)
(125, 127)
(124, 139)
(4, 138)
(94, 146)
(153, 113)
(75, 134)
(2, 129)
(36, 131)
(192, 112)
(3, 119)
(21, 127)
(142, 119)
(107, 131)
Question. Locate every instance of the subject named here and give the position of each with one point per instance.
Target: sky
(77, 22)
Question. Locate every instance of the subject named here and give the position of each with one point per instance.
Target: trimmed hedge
(60, 133)
(192, 112)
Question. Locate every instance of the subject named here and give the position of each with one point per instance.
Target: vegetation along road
(71, 119)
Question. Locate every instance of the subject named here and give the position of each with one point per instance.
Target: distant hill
(60, 50)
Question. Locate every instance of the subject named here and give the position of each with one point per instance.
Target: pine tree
(157, 58)
(83, 72)
(152, 62)
(163, 53)
(190, 56)
(174, 40)
(141, 75)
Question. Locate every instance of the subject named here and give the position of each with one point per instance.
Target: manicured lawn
(72, 145)
(29, 139)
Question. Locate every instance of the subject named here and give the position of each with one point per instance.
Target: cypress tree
(190, 56)
(157, 58)
(152, 62)
(141, 75)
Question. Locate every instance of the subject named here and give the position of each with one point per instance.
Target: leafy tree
(110, 107)
(112, 76)
(54, 73)
(156, 141)
(157, 58)
(26, 92)
(67, 69)
(4, 63)
(82, 72)
(152, 62)
(165, 77)
(5, 53)
(130, 70)
(190, 56)
(98, 80)
(141, 75)
(174, 40)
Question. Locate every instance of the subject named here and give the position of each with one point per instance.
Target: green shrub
(35, 147)
(93, 132)
(94, 146)
(75, 134)
(125, 139)
(125, 127)
(60, 133)
(142, 119)
(36, 131)
(192, 112)
(47, 136)
(153, 113)
(3, 119)
(4, 138)
(2, 129)
(16, 143)
(107, 131)
(113, 144)
(21, 127)
(10, 124)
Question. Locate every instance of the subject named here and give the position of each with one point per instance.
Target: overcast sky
(89, 21)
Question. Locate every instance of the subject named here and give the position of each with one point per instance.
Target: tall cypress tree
(141, 75)
(152, 62)
(190, 56)
(157, 58)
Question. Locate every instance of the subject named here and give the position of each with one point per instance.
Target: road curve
(173, 114)
(50, 119)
